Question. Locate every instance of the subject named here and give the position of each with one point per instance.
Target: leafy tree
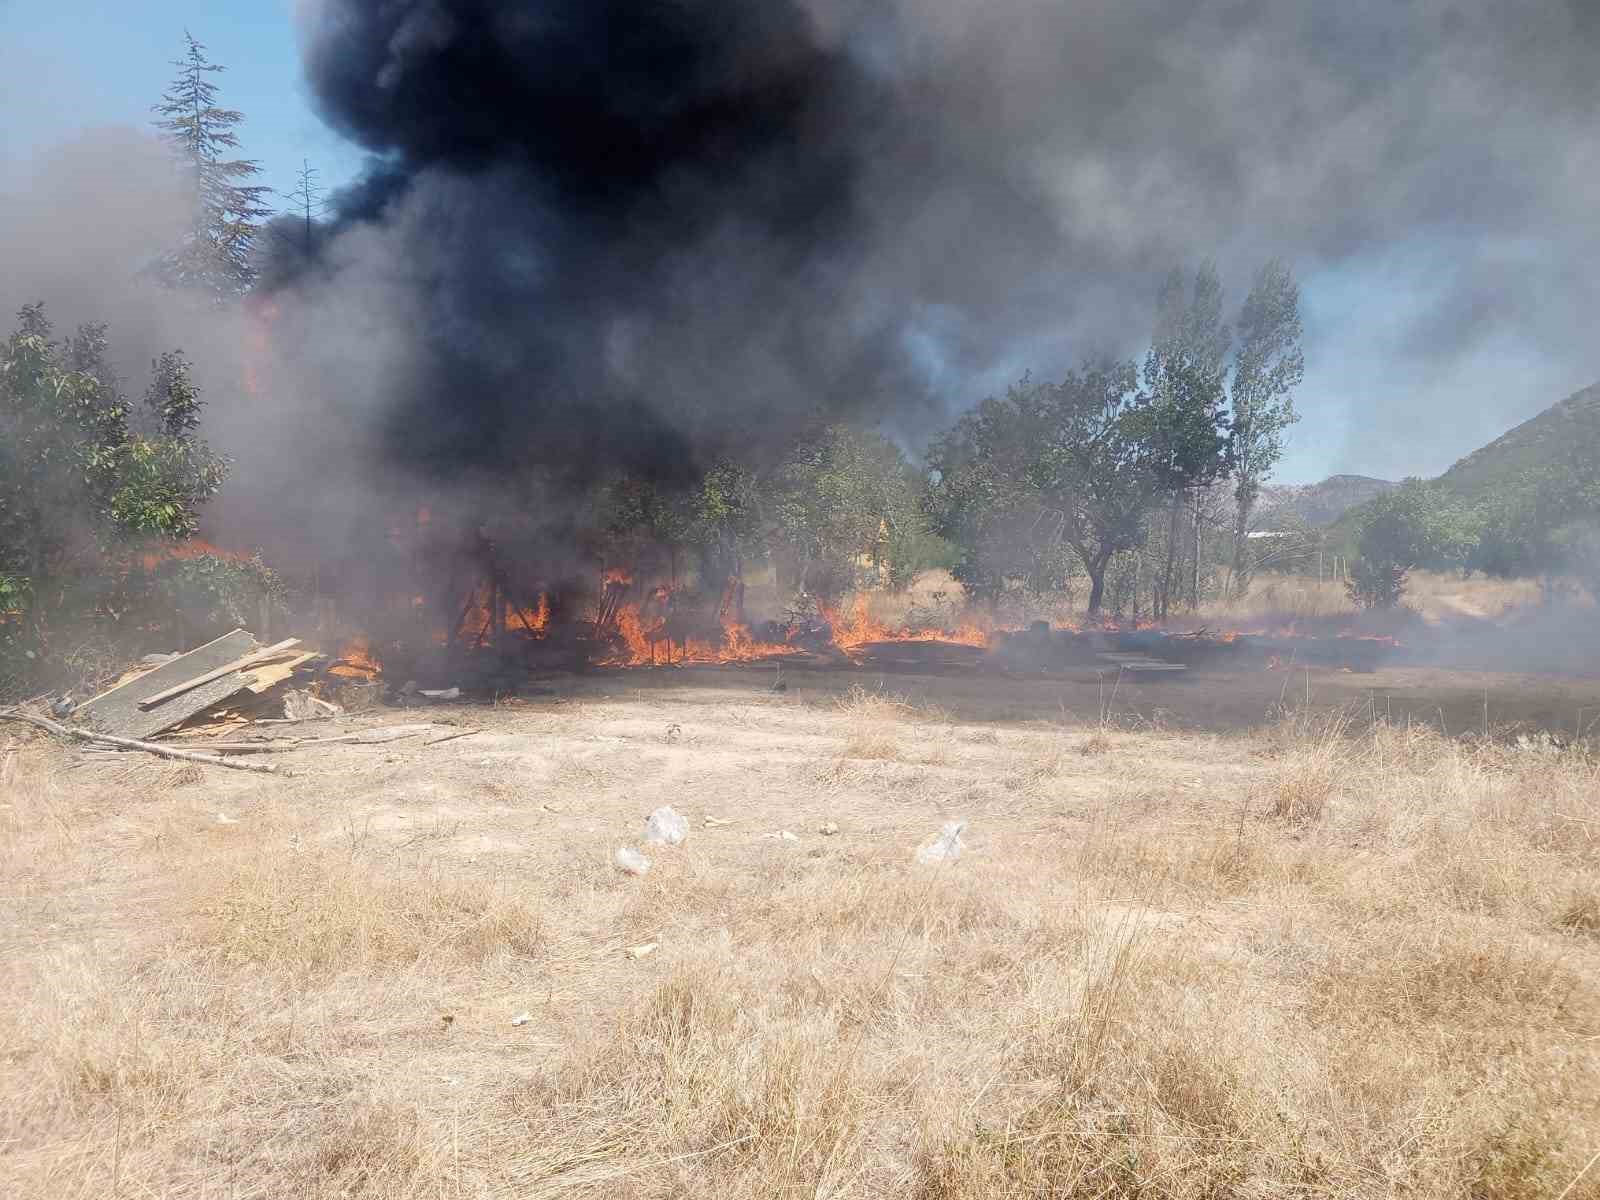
(639, 520)
(84, 475)
(1049, 465)
(215, 256)
(1411, 526)
(983, 493)
(1094, 472)
(1267, 368)
(208, 593)
(841, 496)
(1542, 521)
(1181, 420)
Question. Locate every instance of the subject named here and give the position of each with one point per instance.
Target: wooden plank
(117, 711)
(245, 660)
(210, 649)
(270, 677)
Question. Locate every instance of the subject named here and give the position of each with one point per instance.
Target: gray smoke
(616, 234)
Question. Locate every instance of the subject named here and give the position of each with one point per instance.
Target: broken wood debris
(122, 743)
(229, 682)
(116, 711)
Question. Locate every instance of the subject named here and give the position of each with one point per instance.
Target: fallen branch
(122, 743)
(450, 737)
(276, 744)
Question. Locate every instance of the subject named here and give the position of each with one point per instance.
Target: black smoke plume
(609, 235)
(630, 235)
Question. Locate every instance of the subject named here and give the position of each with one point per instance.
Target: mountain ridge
(1318, 504)
(1524, 447)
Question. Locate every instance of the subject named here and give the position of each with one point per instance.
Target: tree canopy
(84, 473)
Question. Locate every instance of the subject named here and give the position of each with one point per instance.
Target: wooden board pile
(229, 681)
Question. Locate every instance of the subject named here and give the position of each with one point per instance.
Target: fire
(533, 619)
(193, 548)
(855, 626)
(356, 662)
(648, 633)
(651, 634)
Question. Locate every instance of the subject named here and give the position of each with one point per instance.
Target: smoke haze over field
(616, 233)
(701, 218)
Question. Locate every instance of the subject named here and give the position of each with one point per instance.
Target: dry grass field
(1331, 956)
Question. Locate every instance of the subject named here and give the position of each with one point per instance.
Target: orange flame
(356, 662)
(193, 548)
(855, 626)
(534, 619)
(647, 639)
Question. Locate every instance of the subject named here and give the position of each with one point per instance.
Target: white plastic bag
(630, 862)
(947, 847)
(664, 827)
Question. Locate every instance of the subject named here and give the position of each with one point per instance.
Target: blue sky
(113, 59)
(1371, 403)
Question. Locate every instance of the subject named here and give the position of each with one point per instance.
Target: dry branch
(122, 743)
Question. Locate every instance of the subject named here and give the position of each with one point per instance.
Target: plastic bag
(947, 847)
(664, 827)
(630, 862)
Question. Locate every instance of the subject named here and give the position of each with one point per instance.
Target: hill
(1318, 504)
(1535, 443)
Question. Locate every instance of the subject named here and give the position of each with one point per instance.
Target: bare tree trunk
(1164, 599)
(1096, 568)
(1241, 549)
(1194, 584)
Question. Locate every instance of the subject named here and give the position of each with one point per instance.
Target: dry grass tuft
(1307, 773)
(874, 723)
(312, 913)
(1096, 743)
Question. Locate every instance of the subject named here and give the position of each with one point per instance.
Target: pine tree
(216, 253)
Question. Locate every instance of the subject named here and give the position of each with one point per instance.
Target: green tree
(983, 491)
(85, 477)
(1268, 367)
(1094, 473)
(216, 254)
(1181, 419)
(841, 496)
(1412, 526)
(1542, 521)
(1049, 465)
(640, 522)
